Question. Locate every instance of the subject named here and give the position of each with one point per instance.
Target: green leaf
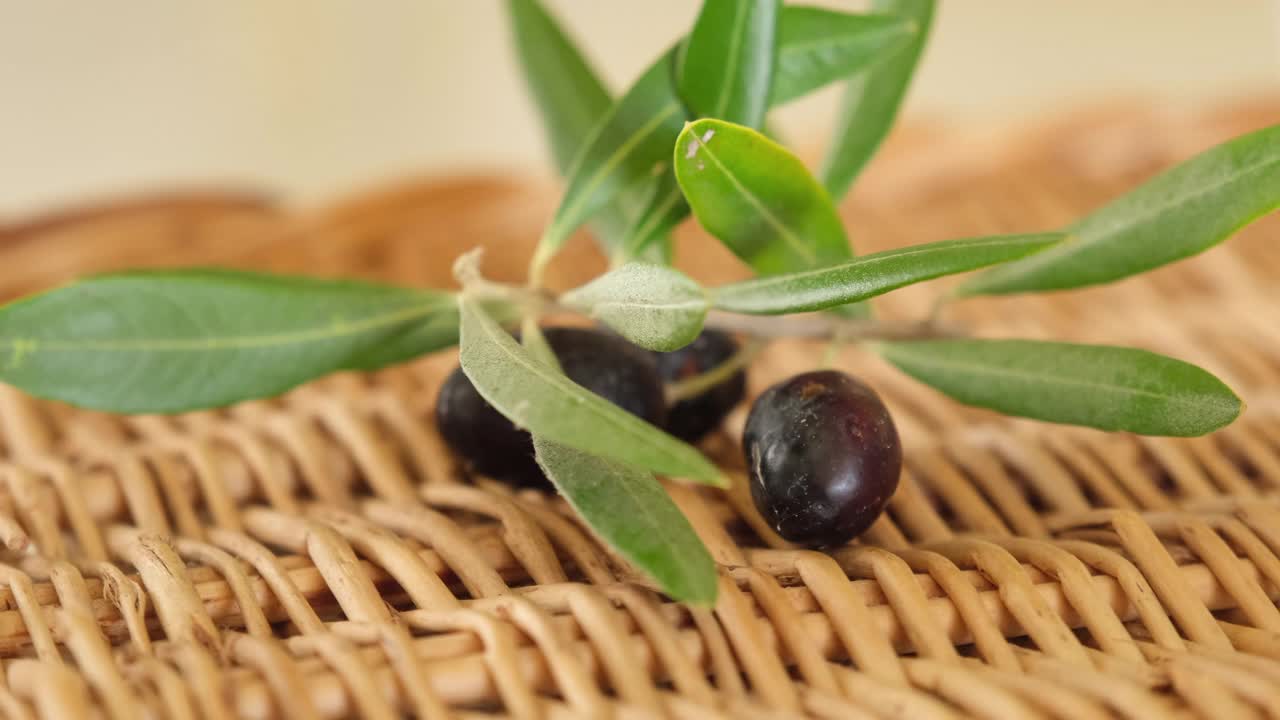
(629, 142)
(665, 209)
(818, 46)
(653, 306)
(1111, 388)
(630, 511)
(873, 275)
(571, 100)
(635, 136)
(757, 198)
(725, 68)
(569, 96)
(548, 404)
(872, 99)
(1181, 212)
(182, 340)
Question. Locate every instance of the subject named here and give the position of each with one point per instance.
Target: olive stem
(822, 325)
(702, 382)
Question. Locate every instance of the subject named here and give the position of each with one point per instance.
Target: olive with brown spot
(823, 457)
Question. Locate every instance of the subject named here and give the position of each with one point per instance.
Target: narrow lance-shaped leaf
(569, 96)
(570, 99)
(661, 214)
(757, 198)
(1181, 212)
(725, 67)
(653, 306)
(818, 46)
(872, 99)
(1111, 388)
(630, 141)
(548, 404)
(631, 512)
(872, 275)
(625, 506)
(182, 340)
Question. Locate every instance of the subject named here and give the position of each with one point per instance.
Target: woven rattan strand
(319, 555)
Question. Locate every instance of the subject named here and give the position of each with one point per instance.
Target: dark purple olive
(691, 419)
(602, 363)
(823, 457)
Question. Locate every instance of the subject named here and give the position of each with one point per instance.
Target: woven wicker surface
(320, 556)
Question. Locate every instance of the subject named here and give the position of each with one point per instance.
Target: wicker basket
(317, 556)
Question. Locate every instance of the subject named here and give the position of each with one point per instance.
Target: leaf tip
(466, 268)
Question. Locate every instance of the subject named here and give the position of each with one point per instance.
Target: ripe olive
(692, 418)
(823, 457)
(602, 363)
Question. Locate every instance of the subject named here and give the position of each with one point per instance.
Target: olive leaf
(724, 70)
(631, 512)
(569, 96)
(817, 46)
(872, 98)
(661, 214)
(725, 67)
(1110, 388)
(653, 306)
(633, 138)
(757, 198)
(571, 101)
(872, 275)
(178, 340)
(1179, 213)
(548, 404)
(625, 506)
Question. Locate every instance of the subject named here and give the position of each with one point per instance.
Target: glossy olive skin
(823, 457)
(603, 363)
(691, 419)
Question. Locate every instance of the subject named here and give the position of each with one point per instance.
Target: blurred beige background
(311, 98)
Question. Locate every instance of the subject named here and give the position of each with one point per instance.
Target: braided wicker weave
(317, 556)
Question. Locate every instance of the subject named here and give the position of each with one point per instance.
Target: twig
(824, 325)
(700, 383)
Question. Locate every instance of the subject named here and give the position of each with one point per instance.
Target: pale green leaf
(1179, 213)
(872, 275)
(872, 99)
(1111, 388)
(725, 66)
(631, 512)
(653, 306)
(182, 340)
(817, 46)
(548, 404)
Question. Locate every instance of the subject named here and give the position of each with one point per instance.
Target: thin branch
(702, 382)
(825, 325)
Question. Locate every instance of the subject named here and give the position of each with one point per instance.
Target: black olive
(823, 457)
(602, 363)
(692, 418)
